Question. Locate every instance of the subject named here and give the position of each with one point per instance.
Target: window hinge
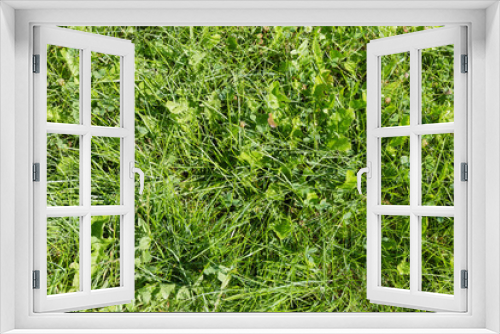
(36, 172)
(36, 279)
(464, 171)
(36, 63)
(465, 279)
(465, 64)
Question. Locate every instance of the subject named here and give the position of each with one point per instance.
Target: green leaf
(141, 131)
(283, 228)
(222, 277)
(196, 58)
(274, 193)
(404, 268)
(183, 294)
(350, 66)
(97, 226)
(144, 243)
(311, 196)
(309, 255)
(272, 101)
(166, 290)
(302, 52)
(275, 89)
(398, 141)
(339, 143)
(253, 158)
(210, 271)
(341, 120)
(318, 56)
(177, 108)
(405, 120)
(232, 43)
(350, 180)
(145, 296)
(211, 41)
(336, 55)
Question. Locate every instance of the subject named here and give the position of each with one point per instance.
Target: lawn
(250, 139)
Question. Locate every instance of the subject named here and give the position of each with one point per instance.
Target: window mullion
(85, 154)
(415, 237)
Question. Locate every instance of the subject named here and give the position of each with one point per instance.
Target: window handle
(368, 171)
(134, 170)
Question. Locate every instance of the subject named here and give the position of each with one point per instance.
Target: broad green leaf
(275, 89)
(183, 294)
(404, 268)
(177, 108)
(350, 180)
(283, 229)
(342, 119)
(144, 243)
(145, 295)
(339, 143)
(318, 56)
(232, 43)
(166, 290)
(272, 101)
(275, 193)
(211, 41)
(350, 66)
(196, 58)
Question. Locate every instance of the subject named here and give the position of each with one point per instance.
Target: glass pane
(395, 159)
(105, 256)
(105, 89)
(437, 84)
(395, 89)
(395, 270)
(438, 169)
(63, 85)
(437, 254)
(63, 170)
(63, 255)
(105, 171)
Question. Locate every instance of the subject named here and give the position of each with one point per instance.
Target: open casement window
(416, 198)
(83, 162)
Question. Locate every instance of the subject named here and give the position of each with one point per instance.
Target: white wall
(201, 17)
(492, 164)
(7, 164)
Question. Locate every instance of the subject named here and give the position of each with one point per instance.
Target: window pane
(437, 254)
(63, 85)
(437, 84)
(105, 256)
(105, 171)
(105, 89)
(438, 169)
(63, 170)
(395, 86)
(395, 270)
(63, 255)
(395, 159)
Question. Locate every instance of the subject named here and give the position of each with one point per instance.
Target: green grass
(250, 138)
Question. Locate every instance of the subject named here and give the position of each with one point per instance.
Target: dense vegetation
(250, 138)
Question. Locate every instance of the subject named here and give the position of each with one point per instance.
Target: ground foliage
(250, 138)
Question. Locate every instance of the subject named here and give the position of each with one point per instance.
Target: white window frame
(86, 43)
(414, 43)
(483, 246)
